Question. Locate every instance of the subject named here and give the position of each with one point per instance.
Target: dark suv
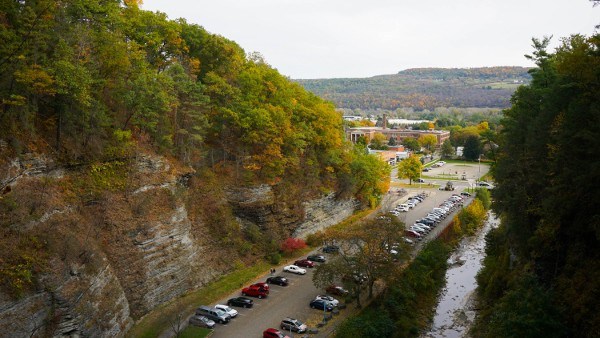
(331, 249)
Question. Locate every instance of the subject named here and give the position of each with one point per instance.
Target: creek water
(455, 312)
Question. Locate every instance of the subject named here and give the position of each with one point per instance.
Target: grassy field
(195, 332)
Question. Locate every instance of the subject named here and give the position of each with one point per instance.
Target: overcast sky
(307, 39)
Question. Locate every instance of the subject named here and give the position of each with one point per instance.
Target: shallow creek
(454, 312)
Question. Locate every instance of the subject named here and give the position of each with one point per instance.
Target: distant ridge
(424, 88)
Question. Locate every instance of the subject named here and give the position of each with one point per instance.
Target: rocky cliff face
(265, 207)
(110, 257)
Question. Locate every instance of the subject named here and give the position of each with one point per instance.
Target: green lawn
(195, 332)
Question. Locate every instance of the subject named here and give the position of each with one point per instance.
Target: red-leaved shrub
(292, 244)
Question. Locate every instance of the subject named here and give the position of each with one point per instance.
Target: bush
(275, 258)
(292, 244)
(315, 239)
(484, 196)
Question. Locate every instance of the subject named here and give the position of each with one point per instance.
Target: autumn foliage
(291, 245)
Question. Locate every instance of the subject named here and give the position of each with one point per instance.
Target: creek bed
(454, 312)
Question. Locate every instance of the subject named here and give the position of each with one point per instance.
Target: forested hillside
(424, 88)
(541, 276)
(143, 157)
(83, 79)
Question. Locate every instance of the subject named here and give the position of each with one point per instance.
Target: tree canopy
(410, 168)
(542, 264)
(85, 78)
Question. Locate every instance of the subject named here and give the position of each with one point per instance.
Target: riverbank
(456, 306)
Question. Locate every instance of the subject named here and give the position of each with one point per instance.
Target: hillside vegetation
(91, 81)
(143, 157)
(424, 88)
(541, 276)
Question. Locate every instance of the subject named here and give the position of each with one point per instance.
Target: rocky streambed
(455, 311)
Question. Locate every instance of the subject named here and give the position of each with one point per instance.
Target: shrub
(292, 244)
(275, 258)
(315, 239)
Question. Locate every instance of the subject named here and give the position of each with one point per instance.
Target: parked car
(464, 193)
(420, 180)
(294, 325)
(305, 263)
(241, 302)
(316, 258)
(255, 291)
(412, 234)
(294, 269)
(426, 221)
(261, 285)
(329, 299)
(279, 280)
(420, 231)
(337, 290)
(402, 208)
(483, 184)
(212, 313)
(231, 312)
(321, 305)
(273, 333)
(424, 226)
(202, 321)
(331, 249)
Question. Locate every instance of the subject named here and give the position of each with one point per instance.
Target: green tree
(366, 253)
(543, 260)
(378, 142)
(428, 142)
(472, 149)
(391, 141)
(370, 177)
(410, 168)
(447, 149)
(411, 144)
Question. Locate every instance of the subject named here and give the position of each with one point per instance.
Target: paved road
(291, 300)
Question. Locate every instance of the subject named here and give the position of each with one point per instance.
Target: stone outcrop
(263, 207)
(322, 213)
(115, 257)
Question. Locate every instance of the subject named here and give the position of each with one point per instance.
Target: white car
(231, 312)
(328, 299)
(486, 185)
(294, 269)
(402, 208)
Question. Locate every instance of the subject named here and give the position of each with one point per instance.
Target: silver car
(202, 321)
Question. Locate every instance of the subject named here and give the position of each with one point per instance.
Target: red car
(261, 285)
(273, 333)
(255, 291)
(305, 263)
